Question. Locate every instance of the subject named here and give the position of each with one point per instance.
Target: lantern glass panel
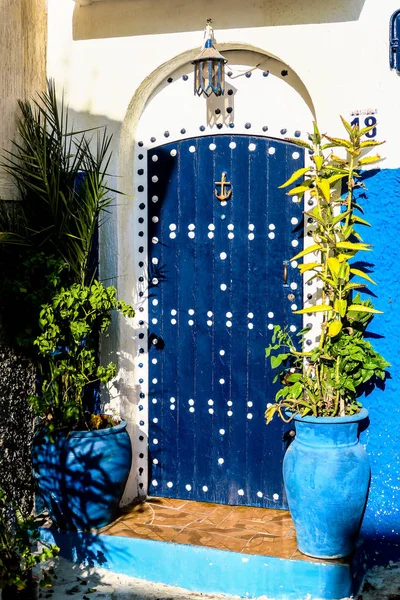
(197, 78)
(216, 78)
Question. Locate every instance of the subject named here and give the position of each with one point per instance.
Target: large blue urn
(326, 474)
(82, 475)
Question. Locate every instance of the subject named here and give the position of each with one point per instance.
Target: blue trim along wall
(381, 526)
(208, 570)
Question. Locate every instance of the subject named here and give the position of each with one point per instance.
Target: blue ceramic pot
(82, 476)
(326, 474)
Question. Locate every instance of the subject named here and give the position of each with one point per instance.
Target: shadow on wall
(118, 18)
(381, 526)
(108, 236)
(119, 396)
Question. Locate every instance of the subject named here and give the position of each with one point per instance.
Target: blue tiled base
(211, 571)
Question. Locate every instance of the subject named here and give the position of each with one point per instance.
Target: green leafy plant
(53, 299)
(328, 379)
(70, 325)
(61, 177)
(18, 536)
(47, 238)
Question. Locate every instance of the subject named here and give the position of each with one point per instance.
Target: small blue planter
(82, 476)
(326, 474)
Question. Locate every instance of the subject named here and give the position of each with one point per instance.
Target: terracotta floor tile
(276, 528)
(252, 513)
(218, 515)
(249, 530)
(166, 502)
(271, 546)
(280, 516)
(235, 528)
(178, 518)
(205, 538)
(117, 528)
(242, 534)
(141, 513)
(154, 532)
(204, 508)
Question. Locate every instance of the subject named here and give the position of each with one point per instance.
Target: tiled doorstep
(209, 548)
(235, 528)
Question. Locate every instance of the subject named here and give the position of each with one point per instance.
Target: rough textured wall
(382, 518)
(23, 25)
(16, 383)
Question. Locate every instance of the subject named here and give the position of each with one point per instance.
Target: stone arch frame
(126, 336)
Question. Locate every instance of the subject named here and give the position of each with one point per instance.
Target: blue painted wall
(381, 526)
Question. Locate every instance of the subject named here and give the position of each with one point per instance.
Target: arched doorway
(210, 279)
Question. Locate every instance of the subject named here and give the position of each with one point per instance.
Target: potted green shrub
(82, 459)
(18, 555)
(326, 470)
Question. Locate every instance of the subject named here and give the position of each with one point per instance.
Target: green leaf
(323, 185)
(354, 286)
(293, 377)
(308, 250)
(357, 219)
(334, 265)
(314, 309)
(368, 160)
(303, 268)
(337, 159)
(295, 176)
(347, 125)
(339, 142)
(334, 328)
(318, 160)
(340, 217)
(370, 143)
(364, 309)
(300, 143)
(337, 177)
(300, 189)
(367, 130)
(353, 246)
(276, 361)
(360, 273)
(340, 306)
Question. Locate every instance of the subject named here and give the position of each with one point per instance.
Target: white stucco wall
(343, 63)
(337, 56)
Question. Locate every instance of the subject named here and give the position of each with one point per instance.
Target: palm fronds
(61, 181)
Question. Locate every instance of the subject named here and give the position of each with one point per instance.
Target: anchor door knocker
(225, 194)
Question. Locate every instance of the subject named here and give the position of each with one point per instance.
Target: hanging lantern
(209, 74)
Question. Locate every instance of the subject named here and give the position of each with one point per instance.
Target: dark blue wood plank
(163, 176)
(185, 350)
(205, 272)
(222, 291)
(255, 318)
(237, 350)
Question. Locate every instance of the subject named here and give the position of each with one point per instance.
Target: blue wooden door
(216, 272)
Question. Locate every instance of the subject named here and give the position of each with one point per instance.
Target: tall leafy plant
(70, 325)
(329, 379)
(51, 285)
(47, 237)
(61, 179)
